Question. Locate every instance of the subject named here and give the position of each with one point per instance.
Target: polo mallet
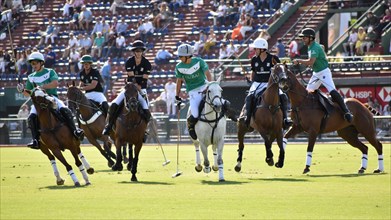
(178, 173)
(158, 142)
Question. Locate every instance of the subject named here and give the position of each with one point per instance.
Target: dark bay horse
(129, 129)
(56, 137)
(267, 120)
(92, 121)
(308, 116)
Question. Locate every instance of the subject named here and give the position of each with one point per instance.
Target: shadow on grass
(347, 175)
(67, 187)
(227, 182)
(280, 179)
(145, 183)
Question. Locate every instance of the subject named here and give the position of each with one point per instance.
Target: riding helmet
(307, 32)
(138, 44)
(86, 59)
(36, 56)
(260, 43)
(184, 50)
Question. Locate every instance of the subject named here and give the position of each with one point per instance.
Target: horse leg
(45, 150)
(215, 166)
(282, 142)
(350, 134)
(269, 153)
(94, 142)
(130, 160)
(57, 153)
(118, 162)
(370, 135)
(137, 149)
(204, 150)
(81, 163)
(198, 166)
(220, 162)
(90, 170)
(310, 147)
(241, 132)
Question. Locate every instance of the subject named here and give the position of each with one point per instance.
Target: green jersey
(45, 76)
(316, 51)
(193, 73)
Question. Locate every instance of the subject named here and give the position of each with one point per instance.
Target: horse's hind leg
(59, 180)
(84, 161)
(198, 166)
(82, 165)
(350, 134)
(118, 162)
(57, 153)
(204, 149)
(137, 149)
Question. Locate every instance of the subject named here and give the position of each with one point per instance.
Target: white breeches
(323, 77)
(96, 96)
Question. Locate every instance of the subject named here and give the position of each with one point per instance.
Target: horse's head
(131, 97)
(41, 99)
(74, 95)
(213, 96)
(280, 75)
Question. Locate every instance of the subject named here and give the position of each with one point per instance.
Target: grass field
(332, 190)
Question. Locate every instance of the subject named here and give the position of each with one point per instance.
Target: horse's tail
(372, 110)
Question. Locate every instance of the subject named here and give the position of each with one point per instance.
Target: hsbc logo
(350, 93)
(385, 94)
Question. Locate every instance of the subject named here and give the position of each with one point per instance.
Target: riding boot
(68, 116)
(249, 106)
(284, 107)
(230, 112)
(105, 108)
(191, 121)
(111, 118)
(147, 115)
(348, 116)
(33, 124)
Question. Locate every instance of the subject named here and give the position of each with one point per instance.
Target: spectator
(115, 5)
(220, 13)
(72, 43)
(119, 45)
(210, 42)
(249, 8)
(223, 53)
(293, 50)
(145, 29)
(50, 57)
(200, 43)
(22, 63)
(170, 89)
(372, 20)
(78, 4)
(163, 16)
(45, 35)
(280, 49)
(386, 19)
(98, 27)
(109, 45)
(85, 18)
(106, 29)
(98, 45)
(74, 22)
(247, 25)
(122, 27)
(85, 45)
(349, 47)
(233, 13)
(113, 25)
(163, 56)
(360, 39)
(74, 58)
(2, 62)
(369, 40)
(285, 5)
(67, 10)
(106, 75)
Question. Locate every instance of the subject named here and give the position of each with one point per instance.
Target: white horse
(210, 130)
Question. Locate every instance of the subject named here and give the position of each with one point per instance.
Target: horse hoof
(221, 180)
(77, 184)
(207, 170)
(90, 170)
(126, 160)
(238, 168)
(279, 165)
(361, 170)
(117, 167)
(306, 170)
(215, 168)
(110, 164)
(378, 171)
(61, 182)
(269, 161)
(198, 168)
(88, 183)
(133, 179)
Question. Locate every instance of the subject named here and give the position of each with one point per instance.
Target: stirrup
(348, 117)
(287, 123)
(34, 144)
(106, 130)
(79, 134)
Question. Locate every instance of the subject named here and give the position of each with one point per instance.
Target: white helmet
(184, 50)
(36, 56)
(260, 43)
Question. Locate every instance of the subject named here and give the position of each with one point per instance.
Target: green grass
(332, 190)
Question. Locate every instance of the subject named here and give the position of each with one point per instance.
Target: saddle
(324, 101)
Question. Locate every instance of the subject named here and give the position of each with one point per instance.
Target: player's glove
(20, 87)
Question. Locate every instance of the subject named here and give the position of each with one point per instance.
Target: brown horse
(267, 120)
(56, 137)
(309, 116)
(129, 129)
(91, 120)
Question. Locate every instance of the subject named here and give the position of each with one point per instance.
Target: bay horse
(268, 121)
(211, 129)
(56, 137)
(129, 129)
(308, 116)
(91, 120)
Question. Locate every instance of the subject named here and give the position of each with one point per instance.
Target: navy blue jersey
(262, 69)
(144, 67)
(88, 78)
